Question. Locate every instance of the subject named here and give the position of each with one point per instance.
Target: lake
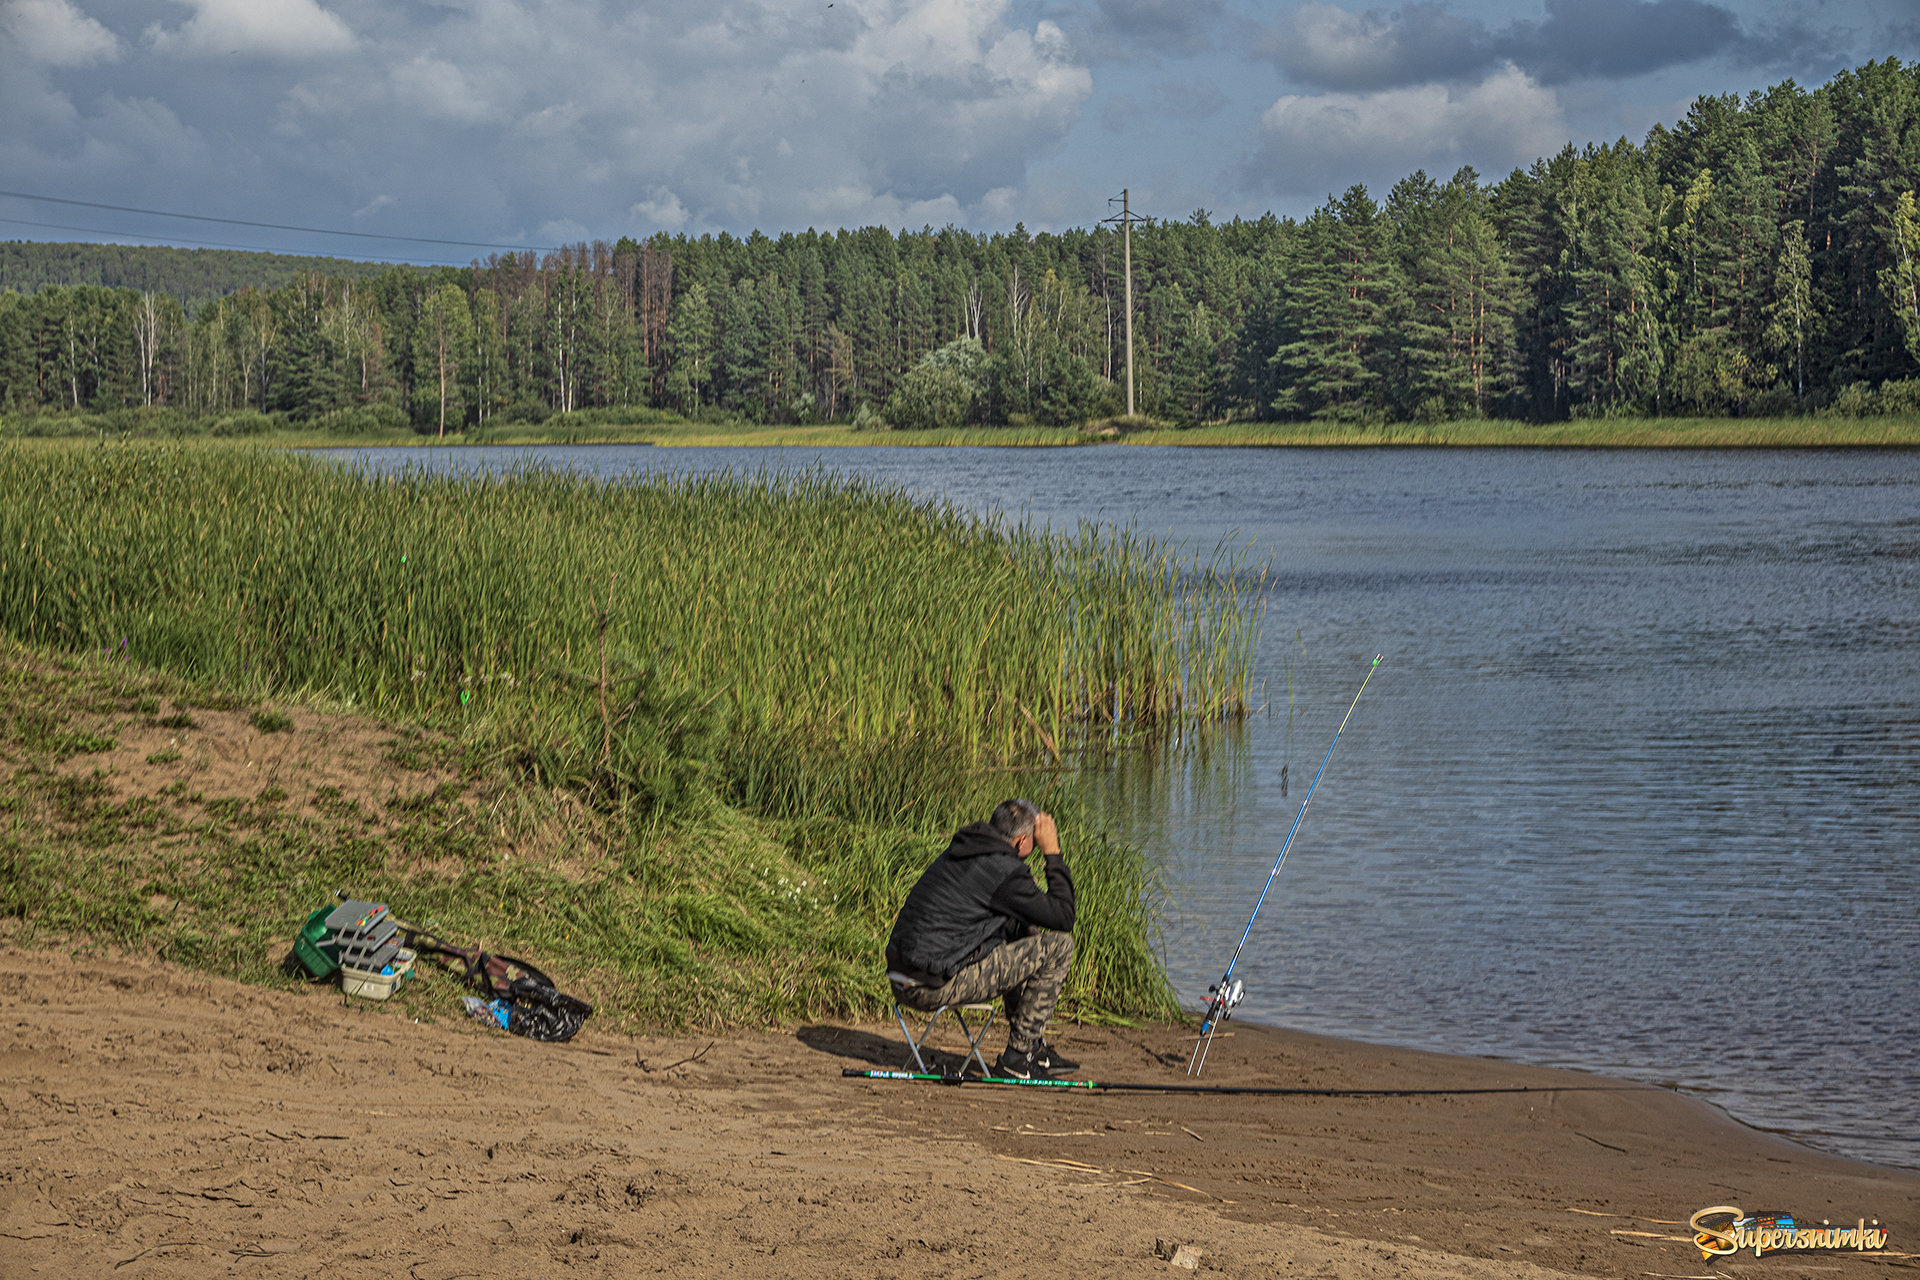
(1634, 789)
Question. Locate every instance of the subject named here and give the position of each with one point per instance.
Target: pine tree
(690, 348)
(1341, 279)
(1615, 356)
(442, 346)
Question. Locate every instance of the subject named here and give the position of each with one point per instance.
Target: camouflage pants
(1027, 976)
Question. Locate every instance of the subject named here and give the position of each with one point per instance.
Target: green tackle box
(316, 947)
(333, 930)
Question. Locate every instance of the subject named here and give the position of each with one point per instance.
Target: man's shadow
(884, 1052)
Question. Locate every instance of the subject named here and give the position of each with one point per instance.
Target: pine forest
(1760, 256)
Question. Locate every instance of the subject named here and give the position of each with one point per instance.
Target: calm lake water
(1633, 791)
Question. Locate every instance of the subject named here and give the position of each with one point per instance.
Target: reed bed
(807, 603)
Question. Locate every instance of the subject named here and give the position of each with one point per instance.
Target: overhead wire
(175, 241)
(277, 226)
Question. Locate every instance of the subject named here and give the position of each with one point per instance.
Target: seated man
(976, 926)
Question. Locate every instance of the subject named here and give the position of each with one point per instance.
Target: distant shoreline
(1652, 433)
(653, 427)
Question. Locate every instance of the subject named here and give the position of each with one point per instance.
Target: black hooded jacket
(975, 896)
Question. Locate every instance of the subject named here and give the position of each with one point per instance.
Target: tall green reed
(815, 606)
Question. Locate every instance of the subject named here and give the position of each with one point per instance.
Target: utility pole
(1126, 218)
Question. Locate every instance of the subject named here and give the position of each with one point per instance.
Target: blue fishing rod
(1228, 992)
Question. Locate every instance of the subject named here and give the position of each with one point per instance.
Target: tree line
(191, 276)
(1760, 256)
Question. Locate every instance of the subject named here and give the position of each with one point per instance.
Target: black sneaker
(1048, 1058)
(1014, 1065)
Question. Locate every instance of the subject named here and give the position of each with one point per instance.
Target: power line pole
(1126, 218)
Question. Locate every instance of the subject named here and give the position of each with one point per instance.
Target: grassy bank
(692, 736)
(147, 813)
(1594, 433)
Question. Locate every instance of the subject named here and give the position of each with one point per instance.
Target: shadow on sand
(886, 1052)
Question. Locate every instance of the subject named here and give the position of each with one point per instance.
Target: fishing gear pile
(511, 992)
(374, 953)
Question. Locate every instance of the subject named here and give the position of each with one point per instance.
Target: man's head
(1013, 819)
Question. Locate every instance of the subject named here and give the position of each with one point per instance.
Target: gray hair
(1014, 818)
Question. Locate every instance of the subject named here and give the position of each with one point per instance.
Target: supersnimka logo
(1724, 1229)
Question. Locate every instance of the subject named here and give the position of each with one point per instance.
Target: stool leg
(913, 1042)
(974, 1038)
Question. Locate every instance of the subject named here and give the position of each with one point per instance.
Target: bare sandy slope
(159, 1123)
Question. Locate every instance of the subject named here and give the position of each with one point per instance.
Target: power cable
(172, 241)
(279, 226)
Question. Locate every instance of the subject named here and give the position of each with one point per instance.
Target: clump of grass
(267, 720)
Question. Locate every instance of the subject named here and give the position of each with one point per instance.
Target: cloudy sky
(533, 122)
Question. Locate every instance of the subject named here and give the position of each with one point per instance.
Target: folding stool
(975, 1034)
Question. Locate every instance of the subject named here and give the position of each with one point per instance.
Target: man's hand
(1046, 837)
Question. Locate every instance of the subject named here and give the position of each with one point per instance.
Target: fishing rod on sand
(1113, 1086)
(1228, 992)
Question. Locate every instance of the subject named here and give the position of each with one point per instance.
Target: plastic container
(315, 947)
(380, 984)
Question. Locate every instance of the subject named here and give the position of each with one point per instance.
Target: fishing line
(1272, 1091)
(1227, 993)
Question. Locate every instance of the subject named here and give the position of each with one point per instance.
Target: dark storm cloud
(1611, 39)
(1326, 47)
(1178, 27)
(1323, 46)
(1128, 30)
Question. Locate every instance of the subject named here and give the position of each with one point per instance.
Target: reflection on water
(1634, 790)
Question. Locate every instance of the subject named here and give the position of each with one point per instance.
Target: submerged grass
(697, 735)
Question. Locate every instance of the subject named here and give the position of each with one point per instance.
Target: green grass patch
(270, 721)
(720, 918)
(801, 606)
(1856, 419)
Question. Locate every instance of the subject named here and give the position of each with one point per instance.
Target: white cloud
(55, 33)
(662, 211)
(1312, 143)
(440, 90)
(268, 28)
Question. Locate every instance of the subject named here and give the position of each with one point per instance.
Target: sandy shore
(160, 1123)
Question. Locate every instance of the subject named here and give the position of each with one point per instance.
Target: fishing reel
(1224, 998)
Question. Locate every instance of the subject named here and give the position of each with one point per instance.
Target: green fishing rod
(1226, 993)
(1272, 1091)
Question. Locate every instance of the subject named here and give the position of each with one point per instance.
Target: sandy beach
(163, 1123)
